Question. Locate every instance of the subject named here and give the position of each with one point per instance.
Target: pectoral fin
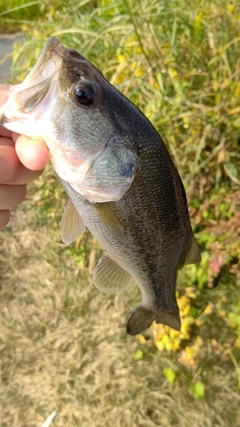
(110, 175)
(110, 220)
(71, 224)
(109, 277)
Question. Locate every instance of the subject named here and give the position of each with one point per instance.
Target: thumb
(33, 154)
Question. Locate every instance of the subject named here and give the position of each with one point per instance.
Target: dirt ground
(64, 347)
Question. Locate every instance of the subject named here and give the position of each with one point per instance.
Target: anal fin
(109, 277)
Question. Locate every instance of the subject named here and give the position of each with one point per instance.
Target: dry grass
(64, 348)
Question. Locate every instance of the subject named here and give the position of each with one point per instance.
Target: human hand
(21, 160)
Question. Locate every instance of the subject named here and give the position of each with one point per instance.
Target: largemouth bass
(121, 181)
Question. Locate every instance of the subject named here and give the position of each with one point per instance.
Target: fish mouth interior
(44, 73)
(50, 58)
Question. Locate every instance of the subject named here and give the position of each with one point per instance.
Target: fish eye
(84, 94)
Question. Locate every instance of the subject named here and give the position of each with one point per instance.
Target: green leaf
(138, 355)
(198, 389)
(169, 375)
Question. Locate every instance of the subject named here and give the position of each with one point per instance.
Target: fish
(120, 178)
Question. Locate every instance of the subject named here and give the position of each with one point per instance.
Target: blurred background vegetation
(179, 62)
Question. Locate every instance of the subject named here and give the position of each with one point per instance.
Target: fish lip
(52, 51)
(46, 70)
(54, 63)
(55, 51)
(51, 45)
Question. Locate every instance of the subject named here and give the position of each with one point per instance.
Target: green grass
(15, 13)
(64, 343)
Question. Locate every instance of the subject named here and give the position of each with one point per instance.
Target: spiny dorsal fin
(109, 277)
(71, 224)
(193, 255)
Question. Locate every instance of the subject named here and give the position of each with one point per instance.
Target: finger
(24, 176)
(4, 218)
(5, 132)
(11, 196)
(32, 153)
(15, 136)
(4, 92)
(12, 171)
(9, 161)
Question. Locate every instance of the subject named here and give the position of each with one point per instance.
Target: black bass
(118, 174)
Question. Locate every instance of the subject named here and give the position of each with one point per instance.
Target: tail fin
(142, 318)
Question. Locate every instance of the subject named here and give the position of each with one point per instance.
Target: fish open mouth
(55, 63)
(50, 59)
(37, 83)
(56, 69)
